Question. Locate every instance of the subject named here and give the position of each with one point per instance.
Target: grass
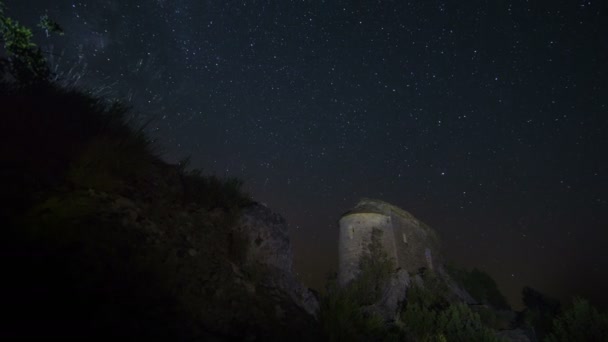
(213, 192)
(53, 136)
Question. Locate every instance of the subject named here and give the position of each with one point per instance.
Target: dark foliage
(429, 315)
(539, 312)
(24, 61)
(213, 192)
(580, 322)
(481, 286)
(376, 268)
(342, 314)
(52, 137)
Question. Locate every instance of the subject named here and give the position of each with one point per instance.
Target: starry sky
(488, 120)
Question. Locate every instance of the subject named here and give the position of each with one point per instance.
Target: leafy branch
(24, 60)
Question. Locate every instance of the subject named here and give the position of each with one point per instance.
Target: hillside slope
(102, 238)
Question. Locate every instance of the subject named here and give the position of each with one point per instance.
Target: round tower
(356, 228)
(411, 243)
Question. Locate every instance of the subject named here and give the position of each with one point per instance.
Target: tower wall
(415, 243)
(354, 238)
(410, 242)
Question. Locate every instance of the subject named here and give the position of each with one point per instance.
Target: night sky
(488, 120)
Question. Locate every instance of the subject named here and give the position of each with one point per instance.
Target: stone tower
(411, 243)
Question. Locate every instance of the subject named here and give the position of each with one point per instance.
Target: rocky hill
(101, 238)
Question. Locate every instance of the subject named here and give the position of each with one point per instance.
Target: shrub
(375, 269)
(429, 316)
(342, 314)
(481, 286)
(213, 192)
(540, 311)
(51, 135)
(581, 322)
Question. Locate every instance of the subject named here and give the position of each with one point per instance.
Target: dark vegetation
(97, 239)
(431, 312)
(580, 322)
(431, 315)
(479, 285)
(343, 313)
(540, 311)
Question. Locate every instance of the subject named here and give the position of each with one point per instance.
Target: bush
(581, 322)
(540, 311)
(213, 192)
(342, 317)
(429, 316)
(343, 313)
(421, 322)
(481, 286)
(375, 270)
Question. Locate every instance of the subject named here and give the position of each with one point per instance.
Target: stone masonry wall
(355, 235)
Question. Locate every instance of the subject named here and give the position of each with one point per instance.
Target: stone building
(411, 243)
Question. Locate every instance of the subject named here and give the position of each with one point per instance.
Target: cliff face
(269, 245)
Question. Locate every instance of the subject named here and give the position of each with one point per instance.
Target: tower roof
(369, 205)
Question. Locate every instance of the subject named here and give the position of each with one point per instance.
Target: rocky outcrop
(268, 244)
(393, 296)
(147, 264)
(456, 290)
(268, 237)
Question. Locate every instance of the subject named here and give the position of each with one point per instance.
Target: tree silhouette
(581, 322)
(540, 311)
(24, 60)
